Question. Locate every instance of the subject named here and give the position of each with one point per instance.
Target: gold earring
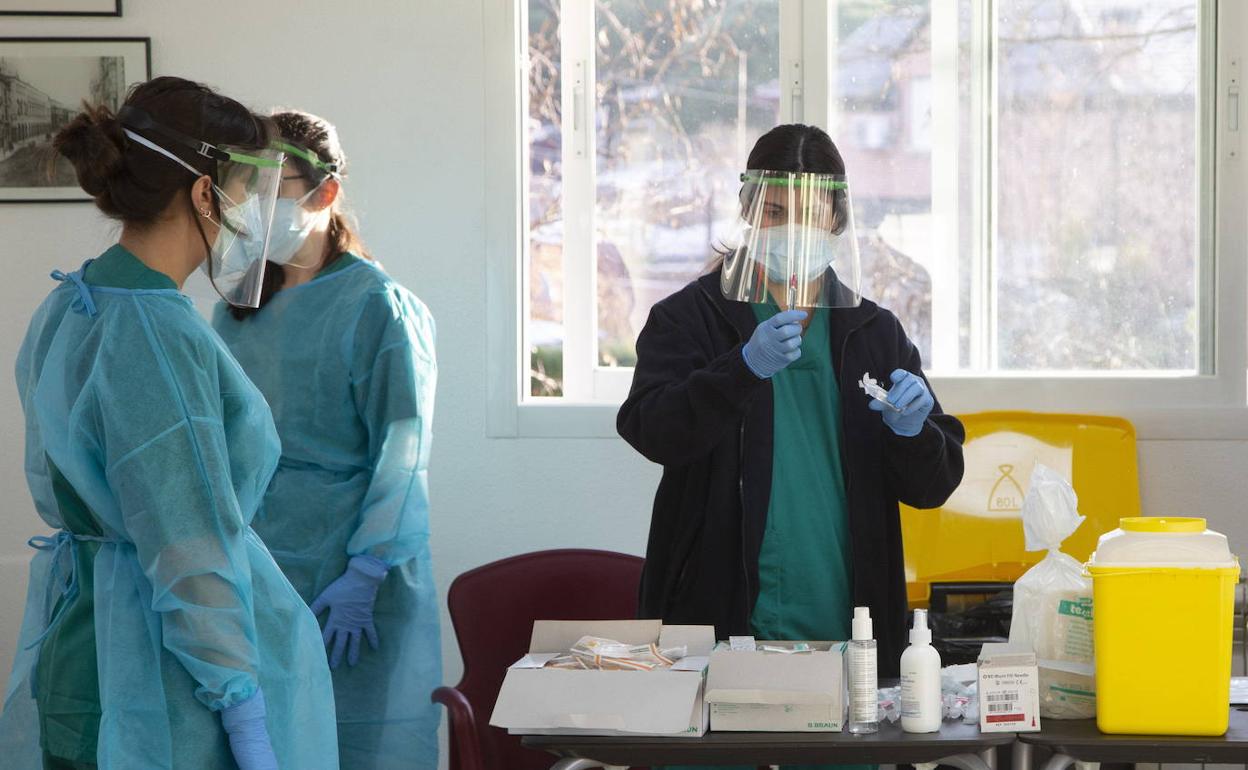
(204, 213)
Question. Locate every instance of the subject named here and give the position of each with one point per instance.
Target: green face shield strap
(826, 184)
(306, 155)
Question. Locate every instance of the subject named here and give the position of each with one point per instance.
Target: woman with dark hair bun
(783, 466)
(159, 632)
(345, 356)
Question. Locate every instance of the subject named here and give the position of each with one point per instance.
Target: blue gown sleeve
(36, 460)
(159, 410)
(394, 375)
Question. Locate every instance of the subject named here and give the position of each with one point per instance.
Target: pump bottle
(864, 680)
(920, 680)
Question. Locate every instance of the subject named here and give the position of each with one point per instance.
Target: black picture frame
(43, 12)
(133, 50)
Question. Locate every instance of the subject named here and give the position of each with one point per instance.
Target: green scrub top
(117, 268)
(805, 585)
(805, 588)
(66, 675)
(344, 260)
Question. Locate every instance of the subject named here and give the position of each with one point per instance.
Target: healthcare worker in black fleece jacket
(778, 511)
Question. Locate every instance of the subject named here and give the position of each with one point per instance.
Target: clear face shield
(246, 186)
(248, 195)
(797, 245)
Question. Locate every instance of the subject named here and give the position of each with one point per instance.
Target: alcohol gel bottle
(863, 677)
(920, 680)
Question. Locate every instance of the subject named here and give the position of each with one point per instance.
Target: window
(638, 129)
(1096, 264)
(1033, 179)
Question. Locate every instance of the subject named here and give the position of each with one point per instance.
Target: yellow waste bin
(1163, 601)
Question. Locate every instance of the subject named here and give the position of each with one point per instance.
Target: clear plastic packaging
(592, 653)
(1053, 602)
(872, 388)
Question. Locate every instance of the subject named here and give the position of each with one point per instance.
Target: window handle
(1232, 109)
(795, 93)
(580, 120)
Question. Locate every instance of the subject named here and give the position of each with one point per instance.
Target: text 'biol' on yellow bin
(1163, 605)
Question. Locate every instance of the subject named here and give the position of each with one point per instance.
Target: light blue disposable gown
(135, 401)
(346, 361)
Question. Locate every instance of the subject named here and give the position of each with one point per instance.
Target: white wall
(403, 82)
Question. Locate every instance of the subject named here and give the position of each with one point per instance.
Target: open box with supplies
(629, 677)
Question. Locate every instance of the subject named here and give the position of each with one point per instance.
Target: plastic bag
(890, 704)
(1053, 602)
(959, 687)
(958, 700)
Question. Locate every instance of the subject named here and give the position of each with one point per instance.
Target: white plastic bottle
(864, 683)
(920, 680)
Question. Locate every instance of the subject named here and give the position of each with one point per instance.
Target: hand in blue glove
(248, 734)
(776, 343)
(910, 395)
(350, 600)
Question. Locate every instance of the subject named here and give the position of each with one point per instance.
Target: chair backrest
(493, 608)
(977, 536)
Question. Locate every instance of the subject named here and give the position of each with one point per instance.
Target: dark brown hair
(319, 137)
(798, 148)
(134, 184)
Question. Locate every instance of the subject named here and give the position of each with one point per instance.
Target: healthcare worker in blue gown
(158, 631)
(345, 357)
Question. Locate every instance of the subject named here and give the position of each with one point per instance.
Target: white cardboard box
(668, 702)
(777, 692)
(1009, 689)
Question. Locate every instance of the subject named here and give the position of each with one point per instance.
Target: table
(1080, 742)
(957, 745)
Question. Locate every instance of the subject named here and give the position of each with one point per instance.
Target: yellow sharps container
(1163, 604)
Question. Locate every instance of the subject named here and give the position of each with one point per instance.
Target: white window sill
(554, 419)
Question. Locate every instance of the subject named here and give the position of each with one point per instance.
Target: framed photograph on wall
(60, 7)
(43, 83)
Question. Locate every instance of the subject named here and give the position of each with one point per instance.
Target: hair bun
(94, 142)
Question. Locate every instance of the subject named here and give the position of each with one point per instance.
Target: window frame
(1212, 404)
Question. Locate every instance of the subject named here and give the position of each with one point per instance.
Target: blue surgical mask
(292, 224)
(771, 246)
(239, 244)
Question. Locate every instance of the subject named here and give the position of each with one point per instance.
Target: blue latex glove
(909, 394)
(249, 737)
(776, 343)
(350, 600)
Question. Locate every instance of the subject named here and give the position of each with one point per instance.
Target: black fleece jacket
(696, 409)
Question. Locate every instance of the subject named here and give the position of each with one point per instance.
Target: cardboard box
(756, 690)
(1009, 689)
(665, 702)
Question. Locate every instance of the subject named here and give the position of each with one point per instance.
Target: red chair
(493, 608)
